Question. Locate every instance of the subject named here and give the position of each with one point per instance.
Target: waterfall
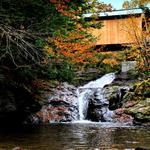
(85, 92)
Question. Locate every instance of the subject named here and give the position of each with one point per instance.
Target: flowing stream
(85, 92)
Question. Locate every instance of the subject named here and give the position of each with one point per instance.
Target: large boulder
(117, 94)
(137, 102)
(98, 107)
(114, 94)
(61, 104)
(140, 110)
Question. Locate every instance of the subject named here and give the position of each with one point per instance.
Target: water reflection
(74, 137)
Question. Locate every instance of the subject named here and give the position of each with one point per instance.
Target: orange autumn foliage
(110, 58)
(111, 62)
(62, 6)
(76, 47)
(74, 52)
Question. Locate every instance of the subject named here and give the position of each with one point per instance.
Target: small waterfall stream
(85, 92)
(93, 102)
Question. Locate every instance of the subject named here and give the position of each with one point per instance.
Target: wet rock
(98, 108)
(137, 103)
(130, 104)
(108, 102)
(95, 115)
(119, 111)
(125, 119)
(121, 117)
(140, 111)
(108, 115)
(61, 105)
(128, 96)
(114, 94)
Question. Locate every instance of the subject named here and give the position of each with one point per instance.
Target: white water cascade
(85, 92)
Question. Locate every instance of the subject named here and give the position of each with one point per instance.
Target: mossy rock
(140, 111)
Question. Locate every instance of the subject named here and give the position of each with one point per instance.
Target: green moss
(141, 110)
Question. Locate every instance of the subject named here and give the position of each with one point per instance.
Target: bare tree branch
(19, 44)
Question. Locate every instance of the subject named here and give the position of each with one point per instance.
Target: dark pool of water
(75, 137)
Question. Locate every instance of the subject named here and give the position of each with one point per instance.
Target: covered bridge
(118, 26)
